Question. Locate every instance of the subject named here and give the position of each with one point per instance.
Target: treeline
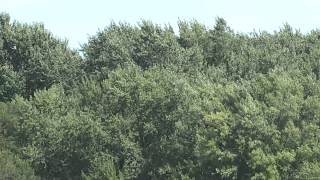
(144, 102)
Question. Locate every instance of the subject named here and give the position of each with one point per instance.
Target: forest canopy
(145, 102)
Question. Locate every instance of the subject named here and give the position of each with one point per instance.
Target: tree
(36, 56)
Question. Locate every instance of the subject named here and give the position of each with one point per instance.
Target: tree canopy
(145, 102)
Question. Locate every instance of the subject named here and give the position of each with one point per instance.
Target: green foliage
(38, 58)
(103, 168)
(11, 83)
(147, 103)
(12, 167)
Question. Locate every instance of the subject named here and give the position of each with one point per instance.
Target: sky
(77, 20)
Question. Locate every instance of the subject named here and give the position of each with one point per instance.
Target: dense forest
(145, 102)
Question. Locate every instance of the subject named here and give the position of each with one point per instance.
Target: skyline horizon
(76, 21)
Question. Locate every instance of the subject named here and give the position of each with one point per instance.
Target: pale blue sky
(75, 20)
